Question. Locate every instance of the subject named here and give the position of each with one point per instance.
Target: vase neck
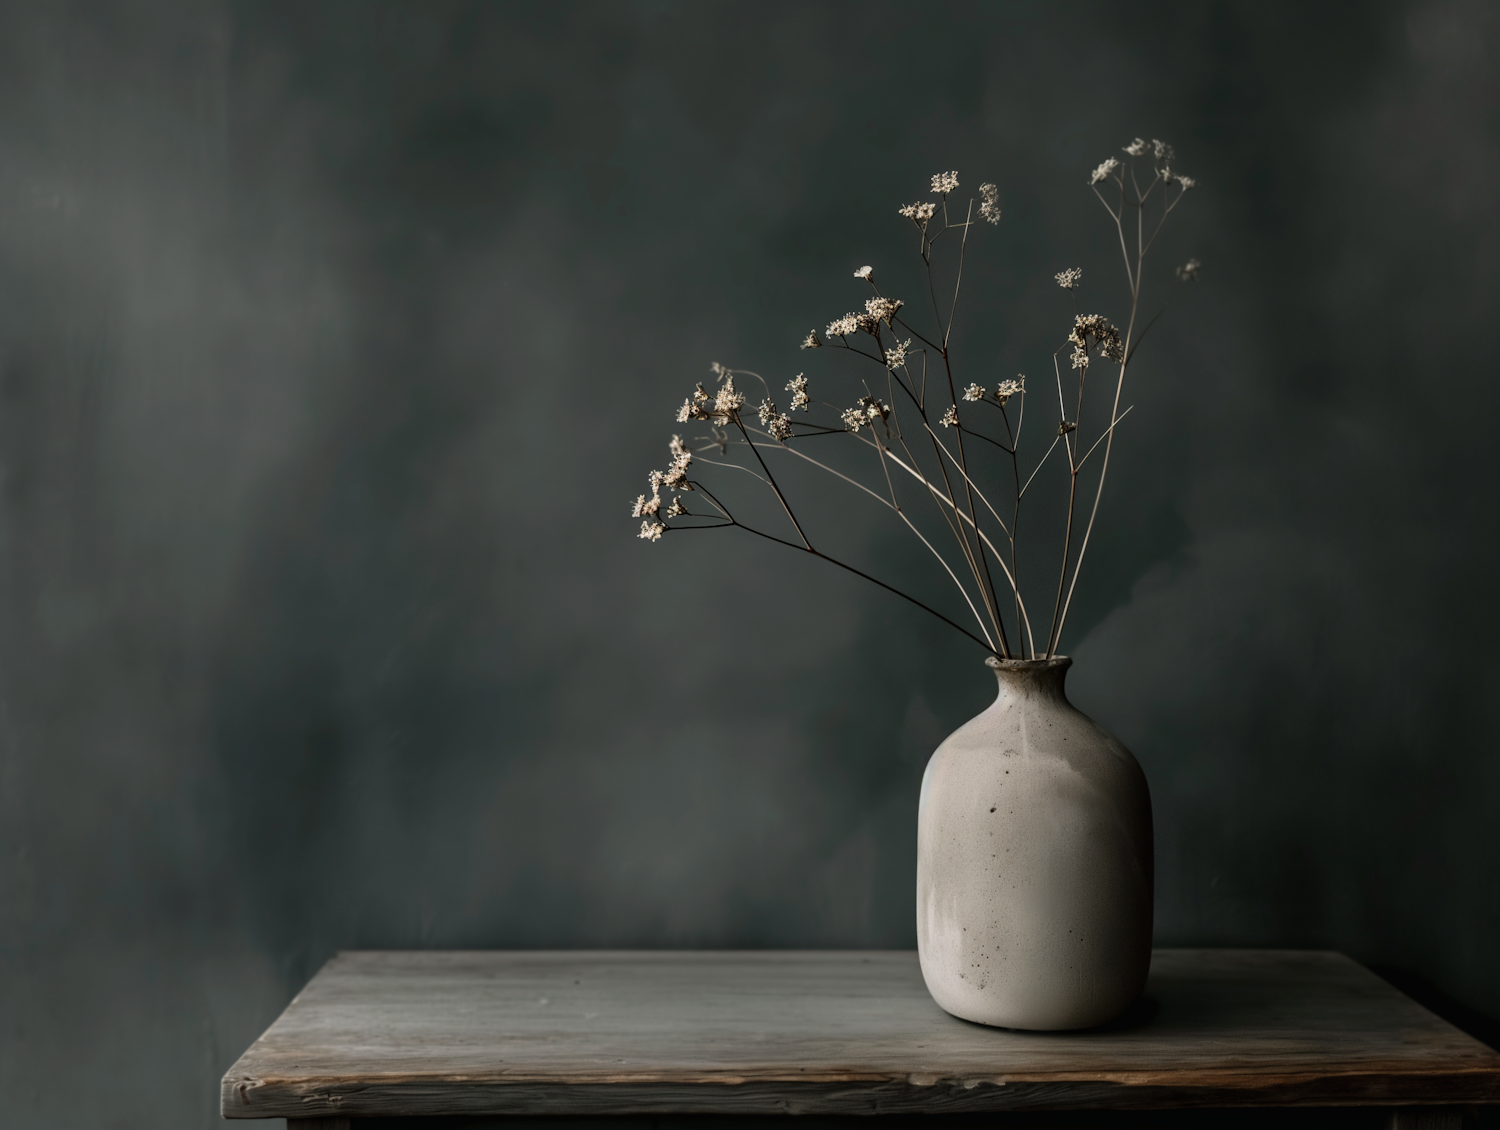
(1032, 678)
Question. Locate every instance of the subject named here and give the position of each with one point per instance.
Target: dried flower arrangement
(923, 430)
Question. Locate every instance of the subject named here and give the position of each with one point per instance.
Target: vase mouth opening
(1057, 662)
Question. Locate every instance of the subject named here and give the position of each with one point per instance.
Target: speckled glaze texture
(1034, 862)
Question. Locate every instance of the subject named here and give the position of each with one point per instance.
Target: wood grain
(820, 1032)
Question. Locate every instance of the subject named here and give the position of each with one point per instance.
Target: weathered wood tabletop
(578, 1033)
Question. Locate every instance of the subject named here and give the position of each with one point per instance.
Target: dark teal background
(335, 339)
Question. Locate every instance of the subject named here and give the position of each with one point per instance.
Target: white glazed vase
(1034, 862)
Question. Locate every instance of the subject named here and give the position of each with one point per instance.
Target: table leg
(1425, 1118)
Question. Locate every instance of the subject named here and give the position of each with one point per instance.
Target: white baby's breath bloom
(973, 392)
(728, 400)
(1095, 330)
(853, 418)
(797, 386)
(864, 272)
(694, 407)
(1188, 272)
(950, 417)
(944, 183)
(989, 203)
(812, 340)
(874, 409)
(651, 530)
(677, 509)
(1161, 150)
(843, 327)
(918, 213)
(644, 505)
(1137, 148)
(1007, 389)
(675, 476)
(1168, 176)
(883, 309)
(1104, 170)
(895, 356)
(1070, 278)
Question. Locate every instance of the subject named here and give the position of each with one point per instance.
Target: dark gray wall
(335, 338)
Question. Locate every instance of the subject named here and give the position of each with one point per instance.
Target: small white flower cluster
(1168, 176)
(779, 424)
(1070, 278)
(1003, 391)
(950, 417)
(694, 407)
(918, 213)
(944, 183)
(895, 356)
(883, 309)
(866, 411)
(1104, 171)
(843, 327)
(812, 341)
(718, 410)
(673, 478)
(1188, 272)
(864, 272)
(797, 386)
(989, 203)
(1095, 330)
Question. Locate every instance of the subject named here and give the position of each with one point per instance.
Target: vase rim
(995, 663)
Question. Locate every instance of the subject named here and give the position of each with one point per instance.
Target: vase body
(1034, 862)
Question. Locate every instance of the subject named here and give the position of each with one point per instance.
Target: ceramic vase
(1034, 862)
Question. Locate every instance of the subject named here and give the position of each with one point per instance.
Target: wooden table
(408, 1034)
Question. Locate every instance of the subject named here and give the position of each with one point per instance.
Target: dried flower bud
(864, 272)
(1161, 149)
(651, 530)
(1070, 278)
(1188, 272)
(677, 509)
(973, 392)
(895, 356)
(812, 341)
(1065, 427)
(644, 505)
(780, 427)
(950, 417)
(853, 418)
(1137, 148)
(944, 183)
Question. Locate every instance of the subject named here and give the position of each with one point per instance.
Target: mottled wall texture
(336, 338)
